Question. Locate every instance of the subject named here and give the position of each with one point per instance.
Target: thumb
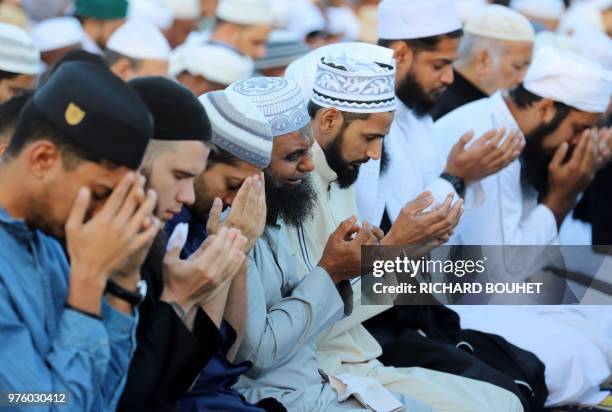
(214, 217)
(78, 211)
(177, 240)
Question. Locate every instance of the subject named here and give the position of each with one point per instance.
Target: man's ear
(403, 54)
(330, 121)
(42, 156)
(546, 110)
(482, 62)
(123, 69)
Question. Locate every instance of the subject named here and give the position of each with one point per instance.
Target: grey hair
(472, 44)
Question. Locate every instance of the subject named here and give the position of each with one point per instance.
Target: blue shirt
(46, 347)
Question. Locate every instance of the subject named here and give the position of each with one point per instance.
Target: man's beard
(412, 94)
(292, 204)
(347, 173)
(203, 200)
(534, 160)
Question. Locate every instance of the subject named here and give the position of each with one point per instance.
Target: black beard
(293, 204)
(347, 174)
(534, 160)
(411, 93)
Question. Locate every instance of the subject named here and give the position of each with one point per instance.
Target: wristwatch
(457, 183)
(131, 297)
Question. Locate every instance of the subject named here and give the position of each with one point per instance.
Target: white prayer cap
(570, 79)
(303, 70)
(415, 19)
(499, 22)
(542, 9)
(468, 8)
(594, 44)
(279, 99)
(57, 33)
(343, 21)
(281, 13)
(185, 9)
(18, 53)
(139, 39)
(354, 84)
(587, 13)
(247, 12)
(215, 62)
(155, 12)
(239, 127)
(306, 18)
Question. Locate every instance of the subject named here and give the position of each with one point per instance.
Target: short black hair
(314, 108)
(523, 98)
(9, 111)
(32, 126)
(4, 75)
(425, 43)
(220, 156)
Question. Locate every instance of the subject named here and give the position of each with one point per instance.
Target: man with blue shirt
(68, 173)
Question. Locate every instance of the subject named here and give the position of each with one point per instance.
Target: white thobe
(348, 347)
(510, 215)
(506, 216)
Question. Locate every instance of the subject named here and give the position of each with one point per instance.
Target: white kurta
(576, 362)
(512, 218)
(349, 348)
(414, 167)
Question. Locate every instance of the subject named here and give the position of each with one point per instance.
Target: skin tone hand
(342, 254)
(486, 156)
(191, 282)
(414, 226)
(566, 180)
(248, 211)
(103, 245)
(603, 137)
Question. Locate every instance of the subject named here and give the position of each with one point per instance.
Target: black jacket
(460, 93)
(168, 357)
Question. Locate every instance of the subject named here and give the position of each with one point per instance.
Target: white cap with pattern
(18, 53)
(355, 84)
(279, 99)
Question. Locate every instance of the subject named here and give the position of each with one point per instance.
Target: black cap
(177, 112)
(97, 111)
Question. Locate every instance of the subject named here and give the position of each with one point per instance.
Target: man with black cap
(177, 333)
(64, 328)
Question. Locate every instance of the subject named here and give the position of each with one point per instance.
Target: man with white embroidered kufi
(348, 348)
(288, 310)
(19, 62)
(138, 49)
(208, 67)
(494, 54)
(412, 165)
(562, 95)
